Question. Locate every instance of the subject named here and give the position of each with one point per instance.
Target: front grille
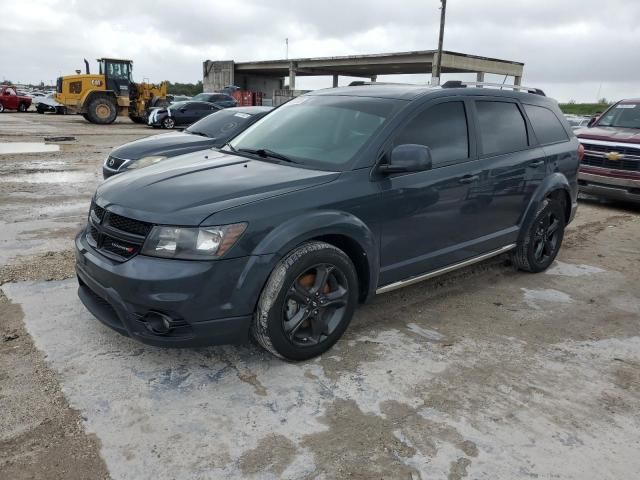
(128, 225)
(632, 165)
(115, 236)
(624, 150)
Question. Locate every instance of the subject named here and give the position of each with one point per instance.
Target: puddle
(27, 147)
(535, 297)
(48, 177)
(572, 270)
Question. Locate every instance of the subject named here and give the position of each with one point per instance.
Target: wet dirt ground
(485, 373)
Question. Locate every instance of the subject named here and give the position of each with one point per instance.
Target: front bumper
(211, 302)
(602, 183)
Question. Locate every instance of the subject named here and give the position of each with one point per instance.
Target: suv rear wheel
(307, 302)
(541, 243)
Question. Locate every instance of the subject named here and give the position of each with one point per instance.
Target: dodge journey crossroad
(332, 198)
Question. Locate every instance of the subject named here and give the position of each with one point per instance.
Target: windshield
(202, 97)
(223, 124)
(177, 105)
(623, 115)
(319, 131)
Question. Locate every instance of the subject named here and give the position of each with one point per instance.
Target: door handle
(536, 164)
(469, 179)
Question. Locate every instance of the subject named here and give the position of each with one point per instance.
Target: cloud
(572, 49)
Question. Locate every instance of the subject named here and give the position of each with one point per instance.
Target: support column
(517, 80)
(374, 78)
(435, 80)
(480, 77)
(292, 76)
(335, 81)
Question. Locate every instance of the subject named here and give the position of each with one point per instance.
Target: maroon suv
(611, 164)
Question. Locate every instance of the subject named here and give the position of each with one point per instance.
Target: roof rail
(461, 84)
(359, 83)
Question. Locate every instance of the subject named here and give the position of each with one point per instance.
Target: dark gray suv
(336, 196)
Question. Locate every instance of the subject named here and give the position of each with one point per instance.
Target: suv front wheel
(541, 242)
(307, 303)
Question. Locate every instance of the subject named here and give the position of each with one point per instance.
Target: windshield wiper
(266, 153)
(202, 134)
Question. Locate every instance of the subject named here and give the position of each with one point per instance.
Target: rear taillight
(580, 152)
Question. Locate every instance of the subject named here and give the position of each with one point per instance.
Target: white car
(48, 103)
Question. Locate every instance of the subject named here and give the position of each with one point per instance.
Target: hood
(611, 134)
(192, 187)
(167, 144)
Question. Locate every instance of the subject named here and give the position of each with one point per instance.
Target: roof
(250, 109)
(411, 62)
(410, 92)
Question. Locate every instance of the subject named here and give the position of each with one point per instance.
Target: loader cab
(117, 74)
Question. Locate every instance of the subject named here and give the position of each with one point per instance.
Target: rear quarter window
(501, 126)
(546, 125)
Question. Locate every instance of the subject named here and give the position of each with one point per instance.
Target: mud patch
(42, 437)
(272, 455)
(47, 266)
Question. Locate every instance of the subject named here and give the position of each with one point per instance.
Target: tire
(297, 318)
(61, 110)
(541, 243)
(22, 107)
(168, 123)
(1, 108)
(136, 119)
(101, 110)
(40, 110)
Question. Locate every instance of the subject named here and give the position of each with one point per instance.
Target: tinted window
(322, 131)
(442, 128)
(546, 125)
(222, 124)
(502, 127)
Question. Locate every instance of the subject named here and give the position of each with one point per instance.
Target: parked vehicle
(213, 130)
(577, 122)
(177, 98)
(48, 104)
(221, 99)
(331, 198)
(180, 114)
(10, 100)
(611, 165)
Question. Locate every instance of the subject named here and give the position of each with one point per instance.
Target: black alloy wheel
(315, 305)
(541, 241)
(307, 302)
(546, 236)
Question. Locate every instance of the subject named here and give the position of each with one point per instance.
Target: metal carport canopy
(382, 64)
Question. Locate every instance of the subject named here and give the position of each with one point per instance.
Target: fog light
(158, 323)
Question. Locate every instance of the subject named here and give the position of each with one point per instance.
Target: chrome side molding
(450, 268)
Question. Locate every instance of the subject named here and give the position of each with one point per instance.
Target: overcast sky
(573, 49)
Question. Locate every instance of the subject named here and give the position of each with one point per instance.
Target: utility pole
(286, 41)
(435, 80)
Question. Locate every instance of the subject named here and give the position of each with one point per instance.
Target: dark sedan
(221, 99)
(212, 131)
(180, 114)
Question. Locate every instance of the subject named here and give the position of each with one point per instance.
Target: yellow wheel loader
(101, 97)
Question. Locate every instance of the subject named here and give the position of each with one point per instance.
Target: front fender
(554, 182)
(288, 235)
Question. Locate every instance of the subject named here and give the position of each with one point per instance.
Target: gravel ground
(484, 373)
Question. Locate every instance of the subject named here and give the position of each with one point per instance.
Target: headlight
(206, 243)
(146, 162)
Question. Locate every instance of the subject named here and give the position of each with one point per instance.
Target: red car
(10, 100)
(611, 164)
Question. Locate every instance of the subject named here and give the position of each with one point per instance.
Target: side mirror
(408, 158)
(592, 120)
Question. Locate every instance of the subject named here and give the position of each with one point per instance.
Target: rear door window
(442, 128)
(501, 126)
(546, 125)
